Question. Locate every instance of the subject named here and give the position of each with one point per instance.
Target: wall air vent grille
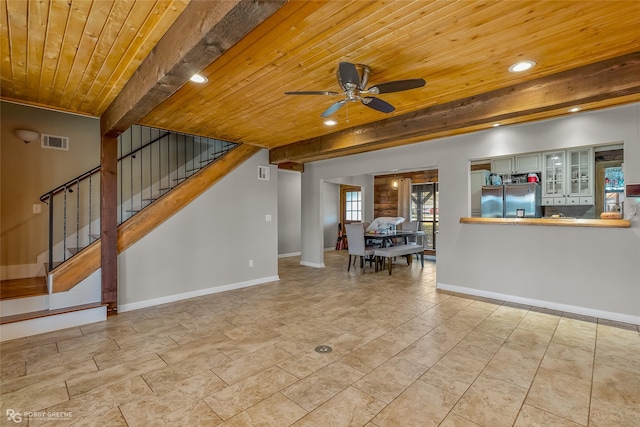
(264, 173)
(55, 142)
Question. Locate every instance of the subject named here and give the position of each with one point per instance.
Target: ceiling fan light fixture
(329, 122)
(521, 66)
(352, 79)
(199, 78)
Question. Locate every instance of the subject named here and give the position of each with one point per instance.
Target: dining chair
(357, 247)
(415, 240)
(411, 226)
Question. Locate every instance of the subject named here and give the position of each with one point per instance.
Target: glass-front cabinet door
(580, 172)
(553, 174)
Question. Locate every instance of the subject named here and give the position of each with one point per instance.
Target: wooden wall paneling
(55, 27)
(6, 72)
(76, 17)
(17, 32)
(86, 48)
(240, 62)
(182, 52)
(462, 49)
(481, 166)
(386, 198)
(562, 91)
(142, 37)
(37, 18)
(103, 47)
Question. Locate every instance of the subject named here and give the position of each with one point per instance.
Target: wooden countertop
(562, 222)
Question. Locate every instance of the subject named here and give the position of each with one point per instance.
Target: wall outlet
(267, 218)
(37, 208)
(250, 263)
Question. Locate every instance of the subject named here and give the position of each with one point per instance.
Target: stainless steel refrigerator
(507, 201)
(523, 200)
(492, 201)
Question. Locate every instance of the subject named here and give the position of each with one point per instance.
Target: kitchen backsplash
(583, 211)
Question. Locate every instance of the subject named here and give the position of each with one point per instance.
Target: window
(350, 204)
(353, 206)
(424, 209)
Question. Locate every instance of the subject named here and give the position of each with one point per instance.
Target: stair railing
(154, 163)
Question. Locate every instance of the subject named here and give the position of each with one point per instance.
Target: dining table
(389, 238)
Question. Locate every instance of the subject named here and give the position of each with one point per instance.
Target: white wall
(289, 212)
(206, 247)
(572, 269)
(330, 214)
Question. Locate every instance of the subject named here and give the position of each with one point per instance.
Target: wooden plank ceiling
(77, 55)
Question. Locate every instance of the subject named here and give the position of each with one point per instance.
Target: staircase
(159, 173)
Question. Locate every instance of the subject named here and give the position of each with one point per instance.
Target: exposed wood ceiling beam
(290, 166)
(596, 85)
(201, 34)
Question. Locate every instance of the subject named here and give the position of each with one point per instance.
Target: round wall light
(26, 135)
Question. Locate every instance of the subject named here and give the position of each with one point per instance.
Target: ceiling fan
(353, 84)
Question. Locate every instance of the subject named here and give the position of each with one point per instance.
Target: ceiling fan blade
(378, 104)
(348, 73)
(335, 107)
(312, 92)
(397, 86)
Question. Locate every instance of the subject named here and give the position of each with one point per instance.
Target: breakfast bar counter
(562, 222)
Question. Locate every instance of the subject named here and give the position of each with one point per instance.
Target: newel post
(109, 222)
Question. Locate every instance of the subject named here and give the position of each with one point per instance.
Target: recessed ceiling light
(330, 122)
(495, 125)
(197, 78)
(521, 66)
(575, 109)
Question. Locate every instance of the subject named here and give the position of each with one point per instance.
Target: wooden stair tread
(45, 313)
(23, 288)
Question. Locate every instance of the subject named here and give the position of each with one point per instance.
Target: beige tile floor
(403, 354)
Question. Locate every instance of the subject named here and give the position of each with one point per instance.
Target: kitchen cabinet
(502, 165)
(522, 163)
(526, 163)
(567, 177)
(478, 179)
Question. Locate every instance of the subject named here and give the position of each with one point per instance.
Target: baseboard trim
(312, 264)
(41, 325)
(289, 254)
(193, 294)
(585, 311)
